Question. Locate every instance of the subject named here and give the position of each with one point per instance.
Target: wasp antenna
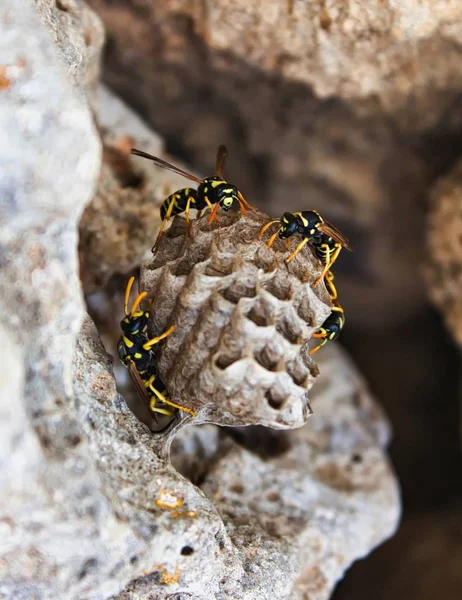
(128, 289)
(265, 227)
(272, 238)
(244, 201)
(213, 213)
(137, 302)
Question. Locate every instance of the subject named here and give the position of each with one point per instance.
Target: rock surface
(79, 35)
(444, 269)
(243, 316)
(119, 225)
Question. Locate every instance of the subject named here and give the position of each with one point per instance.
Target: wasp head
(227, 195)
(289, 225)
(134, 324)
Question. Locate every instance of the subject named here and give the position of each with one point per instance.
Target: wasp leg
(244, 202)
(319, 346)
(331, 289)
(168, 214)
(155, 340)
(297, 250)
(213, 214)
(157, 396)
(244, 211)
(330, 261)
(165, 400)
(265, 227)
(186, 214)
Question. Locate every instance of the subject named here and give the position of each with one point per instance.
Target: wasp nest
(243, 318)
(444, 272)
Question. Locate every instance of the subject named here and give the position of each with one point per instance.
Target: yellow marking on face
(138, 355)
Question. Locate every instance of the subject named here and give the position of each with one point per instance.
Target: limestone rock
(47, 173)
(242, 315)
(444, 268)
(79, 36)
(120, 224)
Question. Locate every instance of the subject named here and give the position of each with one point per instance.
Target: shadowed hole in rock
(258, 316)
(122, 168)
(237, 488)
(276, 399)
(273, 496)
(267, 358)
(187, 551)
(61, 6)
(262, 441)
(238, 290)
(279, 288)
(88, 567)
(357, 458)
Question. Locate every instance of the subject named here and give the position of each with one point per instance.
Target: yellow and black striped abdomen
(177, 202)
(325, 248)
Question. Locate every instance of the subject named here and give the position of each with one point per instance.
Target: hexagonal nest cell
(242, 317)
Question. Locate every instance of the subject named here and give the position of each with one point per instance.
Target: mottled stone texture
(348, 107)
(121, 222)
(242, 317)
(444, 268)
(79, 35)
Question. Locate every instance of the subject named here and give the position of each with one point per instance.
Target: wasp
(135, 352)
(212, 192)
(325, 239)
(333, 325)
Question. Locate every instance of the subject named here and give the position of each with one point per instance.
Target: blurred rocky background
(355, 109)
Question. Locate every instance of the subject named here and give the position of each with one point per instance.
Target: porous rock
(79, 36)
(444, 241)
(242, 315)
(119, 225)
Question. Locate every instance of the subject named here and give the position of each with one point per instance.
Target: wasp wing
(139, 385)
(165, 165)
(222, 154)
(335, 234)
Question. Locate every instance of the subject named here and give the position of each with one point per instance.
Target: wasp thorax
(242, 318)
